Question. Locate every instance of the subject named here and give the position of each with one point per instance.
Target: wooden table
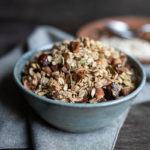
(19, 18)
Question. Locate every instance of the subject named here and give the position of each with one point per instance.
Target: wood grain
(135, 133)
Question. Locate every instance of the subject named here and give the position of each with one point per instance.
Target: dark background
(18, 18)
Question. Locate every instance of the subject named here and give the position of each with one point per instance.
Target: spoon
(123, 30)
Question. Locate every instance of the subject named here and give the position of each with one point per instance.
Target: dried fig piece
(74, 46)
(99, 93)
(43, 60)
(79, 74)
(125, 91)
(85, 99)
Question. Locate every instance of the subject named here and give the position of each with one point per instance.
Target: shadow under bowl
(77, 117)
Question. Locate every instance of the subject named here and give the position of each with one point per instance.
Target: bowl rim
(26, 56)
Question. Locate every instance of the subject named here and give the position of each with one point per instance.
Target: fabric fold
(13, 132)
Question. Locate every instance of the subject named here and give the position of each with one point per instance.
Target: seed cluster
(80, 71)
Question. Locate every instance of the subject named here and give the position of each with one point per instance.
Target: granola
(80, 71)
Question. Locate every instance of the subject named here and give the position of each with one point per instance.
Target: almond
(99, 93)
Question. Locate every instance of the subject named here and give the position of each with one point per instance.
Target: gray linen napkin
(12, 119)
(14, 122)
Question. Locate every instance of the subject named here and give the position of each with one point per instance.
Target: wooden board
(96, 29)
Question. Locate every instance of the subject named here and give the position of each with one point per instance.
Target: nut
(74, 46)
(125, 91)
(99, 93)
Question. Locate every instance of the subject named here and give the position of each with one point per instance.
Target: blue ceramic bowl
(77, 117)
